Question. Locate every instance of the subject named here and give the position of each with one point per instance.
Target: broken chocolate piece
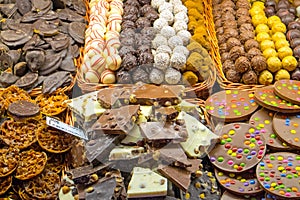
(27, 81)
(35, 59)
(166, 113)
(7, 79)
(109, 97)
(54, 81)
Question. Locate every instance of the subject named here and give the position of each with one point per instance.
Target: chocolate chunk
(15, 55)
(7, 79)
(117, 121)
(128, 41)
(15, 38)
(52, 63)
(139, 74)
(132, 3)
(102, 190)
(24, 109)
(54, 81)
(130, 16)
(145, 58)
(166, 113)
(26, 81)
(128, 33)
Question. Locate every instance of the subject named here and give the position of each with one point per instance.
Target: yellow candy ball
(269, 52)
(265, 77)
(265, 44)
(259, 4)
(255, 10)
(278, 36)
(274, 64)
(282, 74)
(281, 43)
(262, 36)
(289, 63)
(278, 27)
(273, 19)
(284, 51)
(259, 19)
(262, 28)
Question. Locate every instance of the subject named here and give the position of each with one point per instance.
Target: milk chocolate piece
(82, 174)
(23, 109)
(117, 121)
(108, 97)
(166, 113)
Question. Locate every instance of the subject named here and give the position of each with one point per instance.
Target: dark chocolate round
(23, 108)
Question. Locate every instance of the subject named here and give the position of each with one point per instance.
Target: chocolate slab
(166, 113)
(240, 149)
(178, 176)
(103, 190)
(154, 131)
(266, 97)
(23, 109)
(286, 126)
(229, 196)
(263, 120)
(108, 97)
(239, 184)
(231, 105)
(278, 174)
(117, 121)
(288, 90)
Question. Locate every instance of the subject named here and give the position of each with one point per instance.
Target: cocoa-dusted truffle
(229, 10)
(233, 76)
(250, 78)
(130, 41)
(142, 22)
(145, 58)
(124, 77)
(128, 24)
(218, 23)
(251, 43)
(232, 42)
(242, 64)
(253, 52)
(259, 63)
(236, 52)
(227, 65)
(230, 32)
(126, 50)
(222, 39)
(246, 27)
(241, 12)
(129, 61)
(244, 20)
(140, 74)
(142, 40)
(133, 10)
(130, 16)
(243, 4)
(246, 35)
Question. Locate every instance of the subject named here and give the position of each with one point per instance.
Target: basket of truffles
(39, 44)
(150, 41)
(257, 42)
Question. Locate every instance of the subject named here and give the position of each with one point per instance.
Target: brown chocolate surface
(266, 98)
(288, 90)
(108, 97)
(229, 196)
(23, 109)
(286, 126)
(240, 149)
(231, 105)
(280, 170)
(263, 120)
(173, 154)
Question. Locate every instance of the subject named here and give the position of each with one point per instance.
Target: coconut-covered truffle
(232, 42)
(259, 63)
(164, 49)
(165, 6)
(168, 16)
(156, 3)
(178, 61)
(180, 25)
(161, 61)
(181, 49)
(236, 52)
(156, 76)
(172, 76)
(242, 64)
(158, 41)
(160, 23)
(250, 78)
(233, 76)
(251, 43)
(185, 36)
(253, 52)
(179, 8)
(175, 41)
(167, 32)
(181, 16)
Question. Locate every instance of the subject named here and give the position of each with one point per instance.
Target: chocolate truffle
(259, 63)
(223, 48)
(145, 58)
(228, 10)
(123, 77)
(175, 41)
(167, 32)
(172, 76)
(128, 41)
(227, 65)
(227, 17)
(133, 10)
(250, 78)
(126, 50)
(232, 42)
(236, 52)
(241, 12)
(156, 76)
(242, 64)
(131, 3)
(230, 32)
(128, 24)
(158, 41)
(149, 32)
(129, 61)
(251, 43)
(142, 22)
(253, 52)
(178, 61)
(244, 20)
(270, 11)
(145, 9)
(227, 3)
(224, 57)
(246, 35)
(130, 17)
(164, 49)
(160, 23)
(139, 74)
(152, 16)
(233, 76)
(144, 48)
(161, 60)
(144, 2)
(246, 27)
(142, 40)
(230, 24)
(243, 4)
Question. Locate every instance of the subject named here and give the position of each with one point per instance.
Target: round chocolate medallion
(288, 90)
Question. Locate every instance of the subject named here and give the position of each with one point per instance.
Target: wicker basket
(195, 89)
(222, 80)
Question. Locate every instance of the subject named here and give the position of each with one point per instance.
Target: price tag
(65, 127)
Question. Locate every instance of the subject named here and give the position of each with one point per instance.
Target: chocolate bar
(166, 113)
(109, 97)
(173, 154)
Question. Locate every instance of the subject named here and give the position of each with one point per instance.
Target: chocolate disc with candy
(241, 148)
(288, 90)
(266, 97)
(229, 196)
(231, 105)
(286, 126)
(263, 120)
(278, 174)
(272, 197)
(240, 184)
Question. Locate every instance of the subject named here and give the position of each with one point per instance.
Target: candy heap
(240, 53)
(102, 42)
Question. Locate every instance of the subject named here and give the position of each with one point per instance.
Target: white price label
(65, 127)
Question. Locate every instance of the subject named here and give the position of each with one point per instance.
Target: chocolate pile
(40, 42)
